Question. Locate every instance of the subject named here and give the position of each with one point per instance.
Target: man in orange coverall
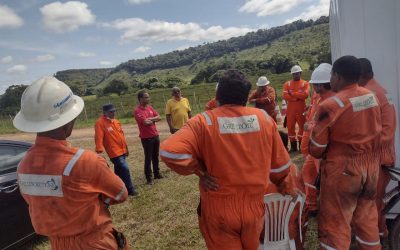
(295, 92)
(212, 104)
(347, 138)
(264, 97)
(224, 141)
(388, 116)
(320, 79)
(110, 137)
(67, 189)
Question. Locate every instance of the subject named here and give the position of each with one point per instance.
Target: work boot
(149, 181)
(293, 147)
(133, 193)
(158, 176)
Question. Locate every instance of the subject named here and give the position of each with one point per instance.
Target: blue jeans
(122, 170)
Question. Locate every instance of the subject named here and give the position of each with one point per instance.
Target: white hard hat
(47, 104)
(295, 69)
(262, 81)
(321, 74)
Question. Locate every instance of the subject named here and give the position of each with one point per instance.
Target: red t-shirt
(141, 114)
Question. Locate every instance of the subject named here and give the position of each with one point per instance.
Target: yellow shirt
(178, 111)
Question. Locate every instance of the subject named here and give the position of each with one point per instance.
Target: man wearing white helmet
(320, 79)
(67, 189)
(295, 92)
(264, 97)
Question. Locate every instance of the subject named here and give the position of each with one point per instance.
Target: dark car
(15, 224)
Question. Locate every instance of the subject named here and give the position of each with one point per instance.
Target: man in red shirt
(146, 117)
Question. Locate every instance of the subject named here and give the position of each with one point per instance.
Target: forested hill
(85, 81)
(216, 49)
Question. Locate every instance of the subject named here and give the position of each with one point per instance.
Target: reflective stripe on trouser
(231, 221)
(384, 179)
(309, 173)
(294, 117)
(348, 197)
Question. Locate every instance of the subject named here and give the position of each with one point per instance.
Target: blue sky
(39, 37)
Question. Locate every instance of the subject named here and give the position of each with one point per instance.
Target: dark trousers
(122, 170)
(151, 148)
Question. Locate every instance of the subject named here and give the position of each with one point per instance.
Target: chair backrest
(278, 209)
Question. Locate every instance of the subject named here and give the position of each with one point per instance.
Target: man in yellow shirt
(177, 110)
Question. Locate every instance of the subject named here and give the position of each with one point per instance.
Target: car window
(10, 156)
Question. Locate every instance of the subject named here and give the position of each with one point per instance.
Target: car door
(15, 226)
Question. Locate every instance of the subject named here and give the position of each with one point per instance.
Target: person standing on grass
(236, 151)
(68, 189)
(110, 137)
(177, 110)
(146, 118)
(264, 97)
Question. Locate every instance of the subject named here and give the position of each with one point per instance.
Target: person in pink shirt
(146, 118)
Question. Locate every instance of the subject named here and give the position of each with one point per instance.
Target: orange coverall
(347, 137)
(110, 137)
(310, 167)
(241, 147)
(297, 180)
(66, 194)
(265, 100)
(388, 155)
(211, 104)
(295, 93)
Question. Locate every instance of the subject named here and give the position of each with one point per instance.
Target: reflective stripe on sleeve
(338, 101)
(107, 200)
(309, 185)
(266, 115)
(119, 195)
(317, 144)
(175, 156)
(72, 162)
(368, 243)
(208, 119)
(281, 168)
(326, 246)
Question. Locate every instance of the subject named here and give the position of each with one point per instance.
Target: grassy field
(164, 215)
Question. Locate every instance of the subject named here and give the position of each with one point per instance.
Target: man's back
(238, 145)
(69, 202)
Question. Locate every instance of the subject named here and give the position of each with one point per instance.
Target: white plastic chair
(278, 209)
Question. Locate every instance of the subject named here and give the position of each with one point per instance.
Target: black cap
(108, 107)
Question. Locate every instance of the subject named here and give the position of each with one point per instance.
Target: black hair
(326, 86)
(141, 94)
(233, 88)
(348, 67)
(366, 67)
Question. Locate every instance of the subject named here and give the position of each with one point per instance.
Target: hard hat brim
(21, 123)
(262, 84)
(319, 81)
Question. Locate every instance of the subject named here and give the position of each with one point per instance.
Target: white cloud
(105, 63)
(137, 29)
(139, 1)
(269, 7)
(313, 12)
(86, 54)
(142, 49)
(65, 17)
(7, 59)
(17, 69)
(9, 19)
(44, 58)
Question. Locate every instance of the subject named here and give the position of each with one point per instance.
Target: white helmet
(47, 104)
(262, 81)
(295, 69)
(321, 74)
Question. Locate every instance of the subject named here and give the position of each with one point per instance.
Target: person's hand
(208, 182)
(148, 122)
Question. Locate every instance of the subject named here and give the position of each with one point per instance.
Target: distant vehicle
(15, 224)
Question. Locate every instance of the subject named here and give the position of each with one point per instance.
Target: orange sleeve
(98, 136)
(211, 104)
(271, 94)
(180, 151)
(303, 92)
(286, 94)
(280, 164)
(388, 114)
(319, 138)
(268, 97)
(252, 96)
(104, 181)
